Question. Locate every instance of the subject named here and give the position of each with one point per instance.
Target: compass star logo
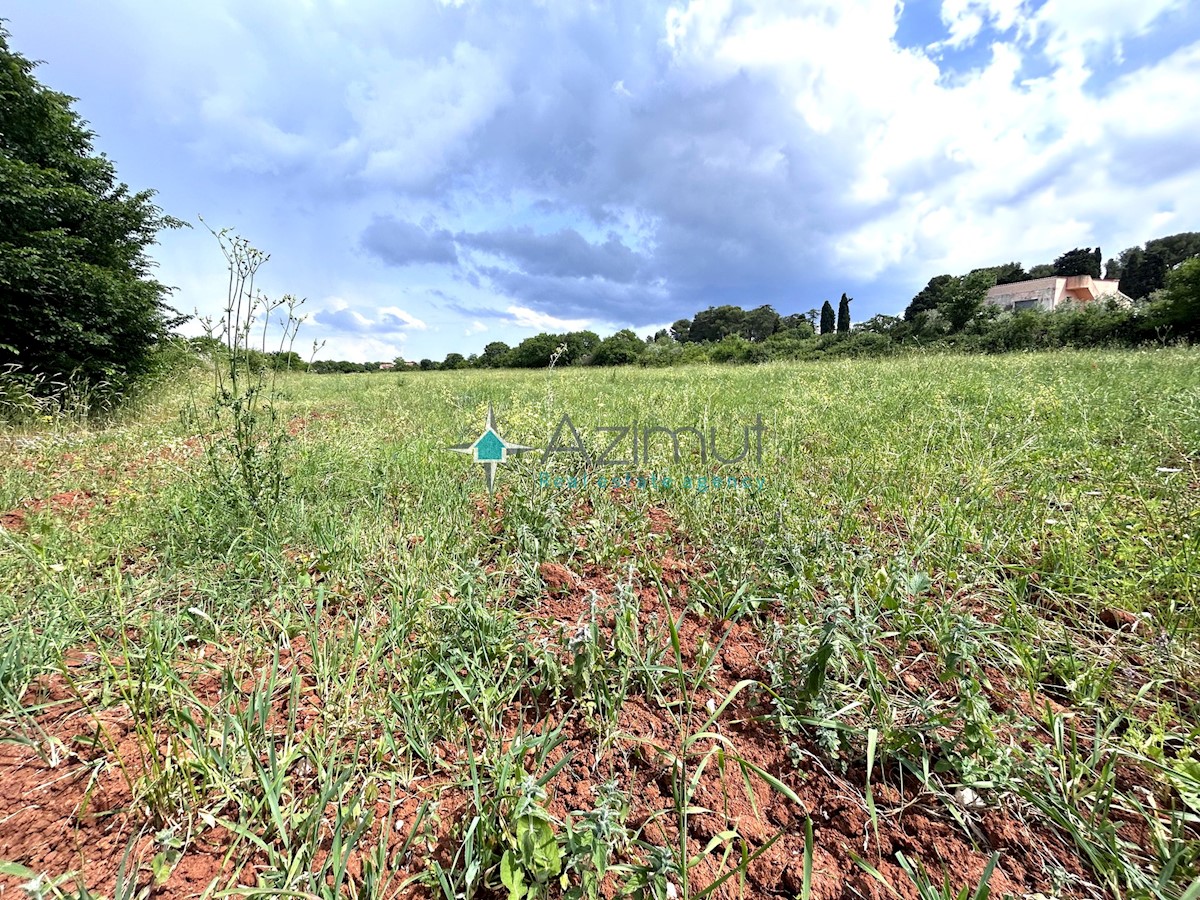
(490, 450)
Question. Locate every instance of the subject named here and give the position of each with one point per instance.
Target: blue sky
(433, 176)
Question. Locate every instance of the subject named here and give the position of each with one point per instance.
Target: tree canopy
(964, 297)
(1080, 261)
(929, 297)
(76, 296)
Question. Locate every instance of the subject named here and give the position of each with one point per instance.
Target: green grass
(933, 533)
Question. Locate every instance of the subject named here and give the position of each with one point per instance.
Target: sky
(433, 176)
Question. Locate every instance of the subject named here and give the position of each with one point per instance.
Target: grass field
(945, 632)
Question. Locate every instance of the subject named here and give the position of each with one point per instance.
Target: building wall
(1048, 293)
(1041, 293)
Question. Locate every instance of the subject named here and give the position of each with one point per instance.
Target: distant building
(383, 367)
(1047, 293)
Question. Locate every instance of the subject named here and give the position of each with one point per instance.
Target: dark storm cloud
(564, 253)
(582, 297)
(400, 243)
(737, 204)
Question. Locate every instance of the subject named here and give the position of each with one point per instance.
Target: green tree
(1080, 261)
(495, 355)
(796, 322)
(1144, 273)
(760, 323)
(534, 352)
(827, 319)
(1010, 273)
(1041, 270)
(1112, 270)
(929, 297)
(880, 324)
(619, 349)
(580, 346)
(964, 298)
(717, 322)
(1176, 248)
(1180, 308)
(75, 291)
(454, 361)
(287, 360)
(843, 315)
(681, 330)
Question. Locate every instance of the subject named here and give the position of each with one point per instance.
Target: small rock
(1119, 619)
(968, 798)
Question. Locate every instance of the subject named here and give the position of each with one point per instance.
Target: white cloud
(387, 313)
(412, 117)
(950, 173)
(965, 19)
(1086, 24)
(524, 317)
(358, 349)
(476, 327)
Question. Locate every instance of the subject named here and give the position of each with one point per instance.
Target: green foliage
(843, 315)
(76, 299)
(1010, 273)
(240, 428)
(534, 352)
(732, 349)
(827, 320)
(1080, 261)
(620, 349)
(760, 323)
(716, 323)
(1143, 273)
(963, 298)
(1176, 248)
(527, 867)
(495, 354)
(929, 297)
(796, 323)
(1179, 310)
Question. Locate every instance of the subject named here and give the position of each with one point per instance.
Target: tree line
(948, 313)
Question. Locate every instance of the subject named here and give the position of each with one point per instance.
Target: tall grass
(1022, 527)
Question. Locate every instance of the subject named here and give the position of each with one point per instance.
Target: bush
(731, 349)
(1179, 309)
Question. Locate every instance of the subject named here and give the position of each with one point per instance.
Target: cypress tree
(826, 318)
(843, 315)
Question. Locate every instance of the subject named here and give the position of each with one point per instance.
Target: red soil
(76, 812)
